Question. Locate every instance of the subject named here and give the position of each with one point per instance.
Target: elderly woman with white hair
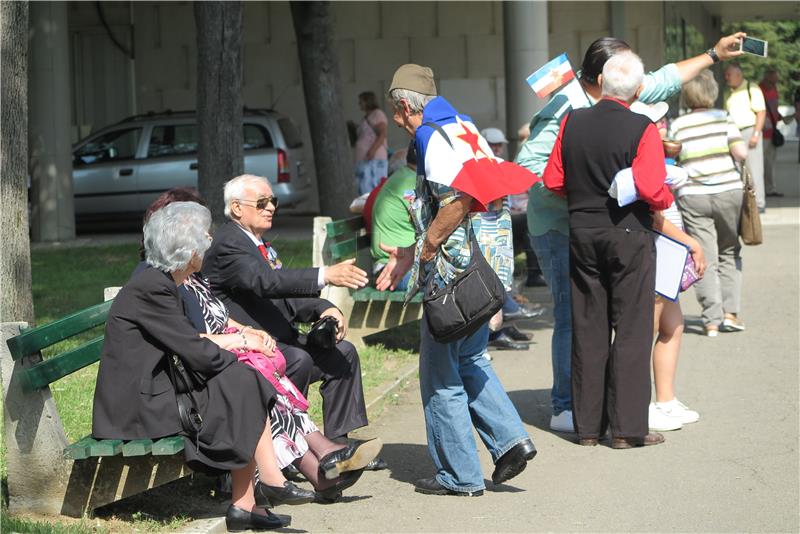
(149, 340)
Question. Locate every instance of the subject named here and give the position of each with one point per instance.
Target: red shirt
(771, 100)
(648, 167)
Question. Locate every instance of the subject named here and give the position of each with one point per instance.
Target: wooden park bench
(47, 474)
(368, 310)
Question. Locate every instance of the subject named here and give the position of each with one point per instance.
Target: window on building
(111, 146)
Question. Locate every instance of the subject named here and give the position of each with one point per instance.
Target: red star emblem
(557, 77)
(471, 138)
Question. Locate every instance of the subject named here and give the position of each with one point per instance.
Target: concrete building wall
(461, 41)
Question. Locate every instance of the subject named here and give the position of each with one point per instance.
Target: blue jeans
(552, 250)
(460, 390)
(369, 173)
(510, 305)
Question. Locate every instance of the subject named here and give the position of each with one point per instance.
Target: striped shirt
(706, 137)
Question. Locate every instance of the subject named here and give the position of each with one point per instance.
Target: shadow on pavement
(533, 406)
(408, 462)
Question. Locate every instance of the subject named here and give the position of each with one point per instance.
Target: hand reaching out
(400, 261)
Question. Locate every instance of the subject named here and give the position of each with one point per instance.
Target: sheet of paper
(670, 260)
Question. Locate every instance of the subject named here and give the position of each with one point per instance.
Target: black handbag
(777, 138)
(186, 382)
(323, 333)
(460, 308)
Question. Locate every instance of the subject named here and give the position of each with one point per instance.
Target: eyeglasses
(262, 203)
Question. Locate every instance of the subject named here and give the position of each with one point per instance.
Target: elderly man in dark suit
(245, 273)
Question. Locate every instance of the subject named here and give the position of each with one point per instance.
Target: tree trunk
(220, 32)
(313, 26)
(16, 303)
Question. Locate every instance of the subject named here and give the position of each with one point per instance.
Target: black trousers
(519, 229)
(612, 274)
(339, 369)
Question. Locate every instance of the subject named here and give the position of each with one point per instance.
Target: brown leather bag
(750, 221)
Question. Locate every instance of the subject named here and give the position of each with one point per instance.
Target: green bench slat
(50, 370)
(137, 447)
(168, 446)
(35, 339)
(344, 226)
(106, 447)
(80, 449)
(348, 248)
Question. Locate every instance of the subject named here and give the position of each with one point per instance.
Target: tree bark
(220, 32)
(313, 26)
(16, 303)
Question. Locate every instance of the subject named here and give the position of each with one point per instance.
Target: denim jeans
(552, 249)
(510, 305)
(460, 390)
(369, 174)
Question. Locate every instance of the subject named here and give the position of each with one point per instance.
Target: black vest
(597, 143)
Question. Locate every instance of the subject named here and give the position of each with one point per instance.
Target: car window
(111, 146)
(256, 136)
(169, 140)
(290, 133)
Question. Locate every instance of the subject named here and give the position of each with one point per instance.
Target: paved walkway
(736, 470)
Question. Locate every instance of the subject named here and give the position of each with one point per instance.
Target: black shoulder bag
(463, 306)
(186, 382)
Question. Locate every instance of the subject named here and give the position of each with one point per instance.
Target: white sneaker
(487, 356)
(661, 421)
(562, 422)
(732, 323)
(676, 408)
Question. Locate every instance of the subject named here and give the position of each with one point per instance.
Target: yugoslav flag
(466, 163)
(551, 76)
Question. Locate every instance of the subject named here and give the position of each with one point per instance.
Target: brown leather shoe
(588, 442)
(654, 438)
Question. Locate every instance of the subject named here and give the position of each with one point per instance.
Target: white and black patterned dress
(289, 424)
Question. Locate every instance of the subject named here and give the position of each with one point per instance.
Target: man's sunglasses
(262, 203)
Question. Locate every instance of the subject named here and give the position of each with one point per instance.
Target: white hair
(623, 74)
(234, 189)
(416, 101)
(174, 233)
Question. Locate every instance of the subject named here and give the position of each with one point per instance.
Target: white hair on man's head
(416, 101)
(234, 189)
(623, 73)
(175, 232)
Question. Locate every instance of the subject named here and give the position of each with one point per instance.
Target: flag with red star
(462, 159)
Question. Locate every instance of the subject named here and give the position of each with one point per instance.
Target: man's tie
(263, 249)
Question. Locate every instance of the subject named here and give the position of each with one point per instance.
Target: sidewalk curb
(406, 372)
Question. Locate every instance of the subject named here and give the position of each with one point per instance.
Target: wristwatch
(713, 54)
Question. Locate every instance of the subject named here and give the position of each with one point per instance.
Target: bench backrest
(347, 237)
(33, 340)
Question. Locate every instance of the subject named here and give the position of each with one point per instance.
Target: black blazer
(254, 292)
(134, 398)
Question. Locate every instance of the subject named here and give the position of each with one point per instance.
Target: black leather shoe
(238, 520)
(288, 494)
(431, 486)
(356, 455)
(503, 341)
(523, 313)
(291, 473)
(513, 462)
(333, 493)
(516, 334)
(535, 280)
(378, 464)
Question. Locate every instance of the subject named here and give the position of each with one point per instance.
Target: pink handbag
(273, 369)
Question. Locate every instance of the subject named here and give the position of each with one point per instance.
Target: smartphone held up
(756, 47)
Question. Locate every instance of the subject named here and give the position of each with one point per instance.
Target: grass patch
(31, 526)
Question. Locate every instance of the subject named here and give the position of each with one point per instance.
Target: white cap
(494, 136)
(654, 112)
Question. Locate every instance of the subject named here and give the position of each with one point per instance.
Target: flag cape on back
(466, 162)
(551, 76)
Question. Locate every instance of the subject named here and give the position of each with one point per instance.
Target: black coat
(134, 397)
(255, 293)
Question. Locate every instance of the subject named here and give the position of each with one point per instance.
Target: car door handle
(193, 166)
(125, 172)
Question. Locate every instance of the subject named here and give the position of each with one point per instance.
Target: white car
(120, 170)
